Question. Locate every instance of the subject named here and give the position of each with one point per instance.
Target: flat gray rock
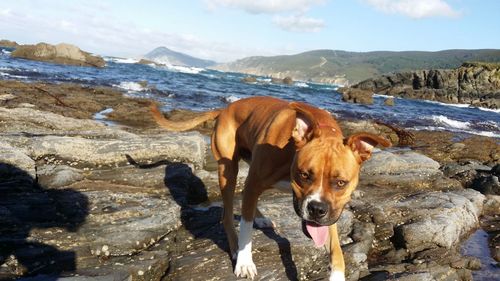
(399, 168)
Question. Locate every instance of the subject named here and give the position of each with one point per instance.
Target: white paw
(263, 222)
(245, 266)
(337, 276)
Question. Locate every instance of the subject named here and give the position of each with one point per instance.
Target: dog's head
(325, 169)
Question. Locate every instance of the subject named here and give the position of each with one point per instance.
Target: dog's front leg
(336, 256)
(244, 263)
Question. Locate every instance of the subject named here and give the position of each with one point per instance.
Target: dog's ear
(306, 126)
(362, 144)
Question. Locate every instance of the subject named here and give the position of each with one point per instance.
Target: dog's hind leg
(228, 171)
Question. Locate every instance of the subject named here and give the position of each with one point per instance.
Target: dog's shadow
(188, 191)
(26, 206)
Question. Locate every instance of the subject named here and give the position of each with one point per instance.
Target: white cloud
(106, 34)
(299, 23)
(416, 9)
(265, 6)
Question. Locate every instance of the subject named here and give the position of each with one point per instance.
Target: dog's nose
(317, 209)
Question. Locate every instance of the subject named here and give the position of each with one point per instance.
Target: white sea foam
(128, 60)
(489, 109)
(490, 124)
(264, 80)
(463, 105)
(443, 120)
(383, 96)
(5, 74)
(6, 52)
(130, 86)
(183, 69)
(301, 84)
(231, 99)
(121, 60)
(474, 132)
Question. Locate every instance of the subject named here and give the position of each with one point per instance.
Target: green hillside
(323, 65)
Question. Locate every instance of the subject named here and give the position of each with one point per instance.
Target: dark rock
(288, 80)
(61, 53)
(249, 79)
(146, 61)
(350, 127)
(8, 43)
(486, 185)
(354, 95)
(477, 84)
(389, 101)
(496, 170)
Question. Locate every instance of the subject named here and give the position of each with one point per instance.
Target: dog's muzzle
(316, 212)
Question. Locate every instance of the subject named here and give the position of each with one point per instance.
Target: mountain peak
(165, 55)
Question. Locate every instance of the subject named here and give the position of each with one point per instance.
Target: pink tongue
(319, 233)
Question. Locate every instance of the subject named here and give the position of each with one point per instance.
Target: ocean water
(202, 89)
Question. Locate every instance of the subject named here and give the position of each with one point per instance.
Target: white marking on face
(315, 196)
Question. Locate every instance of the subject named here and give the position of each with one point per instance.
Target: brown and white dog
(284, 142)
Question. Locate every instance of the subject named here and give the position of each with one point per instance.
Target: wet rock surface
(74, 208)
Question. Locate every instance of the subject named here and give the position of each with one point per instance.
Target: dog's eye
(340, 183)
(303, 175)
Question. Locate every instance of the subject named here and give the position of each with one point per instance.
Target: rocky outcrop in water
(60, 53)
(8, 43)
(477, 84)
(355, 95)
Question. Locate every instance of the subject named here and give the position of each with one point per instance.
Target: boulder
(492, 205)
(287, 80)
(446, 217)
(249, 79)
(354, 95)
(402, 168)
(389, 101)
(8, 43)
(486, 184)
(60, 53)
(147, 62)
(350, 127)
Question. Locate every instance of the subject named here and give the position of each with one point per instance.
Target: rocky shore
(477, 84)
(76, 208)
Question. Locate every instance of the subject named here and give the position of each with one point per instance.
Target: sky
(226, 30)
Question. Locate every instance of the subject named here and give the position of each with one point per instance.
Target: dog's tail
(179, 126)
